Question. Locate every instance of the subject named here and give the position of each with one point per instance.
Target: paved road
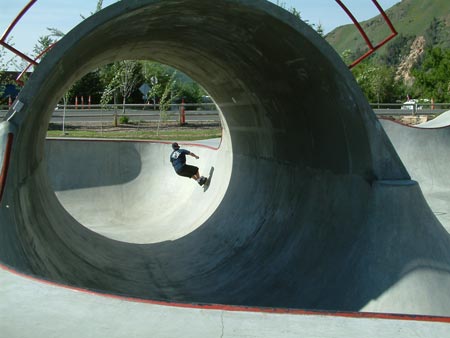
(79, 115)
(99, 115)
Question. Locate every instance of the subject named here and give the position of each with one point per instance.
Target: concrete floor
(35, 309)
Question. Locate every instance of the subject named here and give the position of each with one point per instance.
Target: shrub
(124, 120)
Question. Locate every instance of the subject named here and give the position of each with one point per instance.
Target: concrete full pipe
(317, 210)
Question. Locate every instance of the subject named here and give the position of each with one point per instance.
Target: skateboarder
(178, 160)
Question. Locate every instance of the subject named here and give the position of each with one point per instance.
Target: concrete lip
(442, 121)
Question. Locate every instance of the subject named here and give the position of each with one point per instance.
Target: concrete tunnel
(316, 211)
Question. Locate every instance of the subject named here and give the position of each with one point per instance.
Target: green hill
(411, 18)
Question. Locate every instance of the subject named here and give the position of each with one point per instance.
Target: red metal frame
(19, 78)
(31, 62)
(372, 48)
(10, 28)
(5, 166)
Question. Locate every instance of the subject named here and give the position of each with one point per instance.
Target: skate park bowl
(424, 150)
(310, 207)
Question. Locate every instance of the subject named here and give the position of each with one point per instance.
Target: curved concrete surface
(318, 212)
(441, 121)
(426, 155)
(128, 191)
(41, 310)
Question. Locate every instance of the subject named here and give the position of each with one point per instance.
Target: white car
(409, 105)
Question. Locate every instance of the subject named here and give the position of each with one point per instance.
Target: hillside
(411, 18)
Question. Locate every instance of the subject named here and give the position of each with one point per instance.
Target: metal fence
(416, 108)
(141, 121)
(200, 112)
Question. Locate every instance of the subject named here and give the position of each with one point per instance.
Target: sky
(66, 14)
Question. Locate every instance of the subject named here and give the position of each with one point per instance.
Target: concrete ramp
(426, 154)
(128, 191)
(310, 207)
(441, 121)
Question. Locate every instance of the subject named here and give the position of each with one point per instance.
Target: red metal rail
(5, 166)
(4, 43)
(372, 48)
(10, 28)
(19, 78)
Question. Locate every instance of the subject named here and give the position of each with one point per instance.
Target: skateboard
(208, 180)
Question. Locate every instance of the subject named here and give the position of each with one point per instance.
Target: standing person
(178, 160)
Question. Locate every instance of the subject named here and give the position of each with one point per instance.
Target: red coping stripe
(236, 308)
(5, 166)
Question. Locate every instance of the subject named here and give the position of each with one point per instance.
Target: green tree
(88, 85)
(5, 65)
(377, 81)
(3, 68)
(396, 50)
(3, 62)
(157, 76)
(432, 77)
(181, 86)
(121, 77)
(432, 33)
(191, 92)
(97, 9)
(317, 27)
(167, 94)
(43, 43)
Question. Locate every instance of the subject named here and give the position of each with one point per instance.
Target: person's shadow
(208, 181)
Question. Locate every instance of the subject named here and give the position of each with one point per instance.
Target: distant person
(178, 160)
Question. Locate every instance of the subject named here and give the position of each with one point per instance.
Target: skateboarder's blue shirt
(178, 158)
